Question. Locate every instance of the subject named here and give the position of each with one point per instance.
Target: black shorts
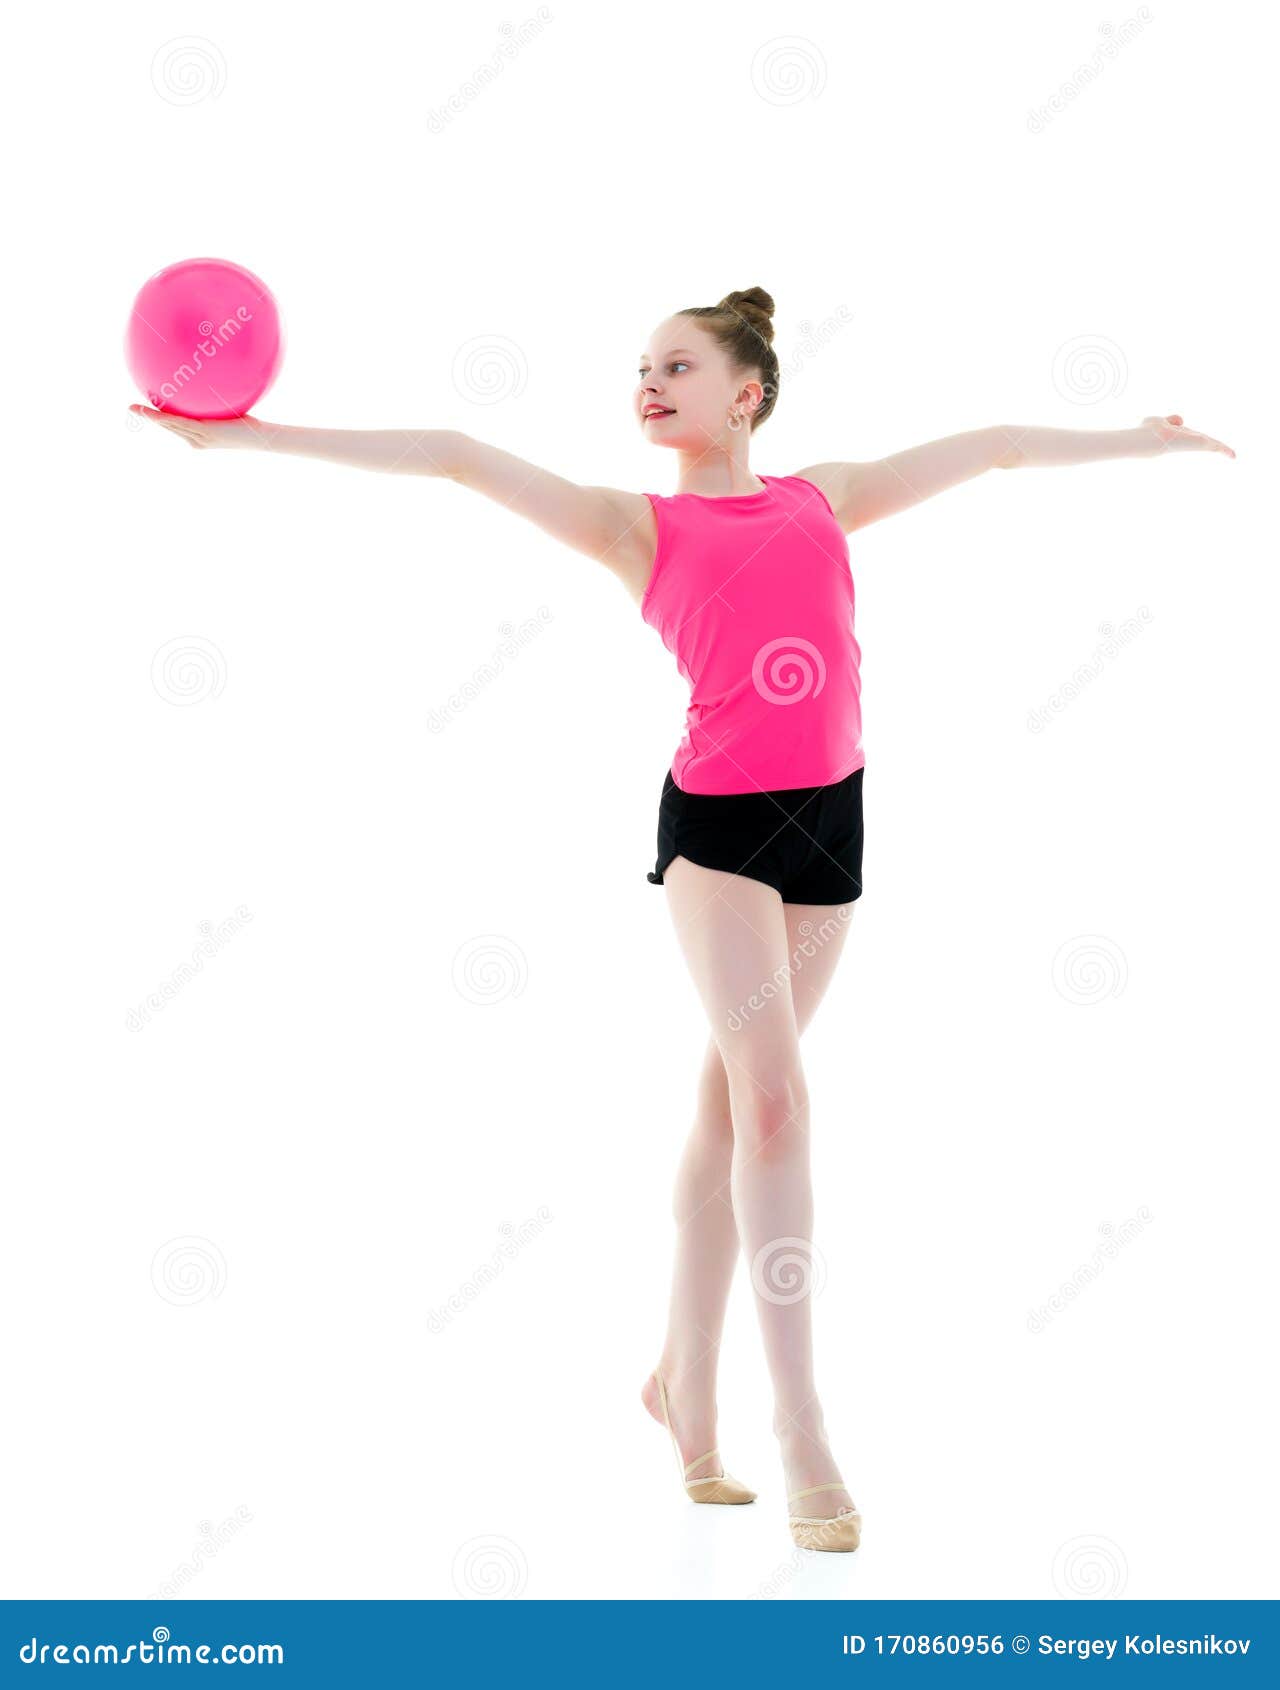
(804, 841)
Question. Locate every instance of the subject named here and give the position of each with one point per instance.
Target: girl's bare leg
(744, 1176)
(706, 1255)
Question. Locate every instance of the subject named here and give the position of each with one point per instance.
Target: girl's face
(686, 391)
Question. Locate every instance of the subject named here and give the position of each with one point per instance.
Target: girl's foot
(693, 1417)
(807, 1460)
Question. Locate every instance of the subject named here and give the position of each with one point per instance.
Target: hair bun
(756, 306)
(741, 325)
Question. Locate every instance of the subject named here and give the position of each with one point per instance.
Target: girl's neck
(714, 476)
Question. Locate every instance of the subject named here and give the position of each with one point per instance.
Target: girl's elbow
(1008, 453)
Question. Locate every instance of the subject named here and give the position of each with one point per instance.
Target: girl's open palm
(234, 431)
(1172, 436)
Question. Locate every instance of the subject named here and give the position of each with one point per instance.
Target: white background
(458, 1001)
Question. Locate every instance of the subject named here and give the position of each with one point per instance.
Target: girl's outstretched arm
(864, 492)
(400, 451)
(614, 527)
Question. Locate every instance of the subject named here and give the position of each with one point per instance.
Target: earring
(735, 419)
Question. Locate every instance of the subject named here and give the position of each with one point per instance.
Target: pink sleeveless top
(753, 595)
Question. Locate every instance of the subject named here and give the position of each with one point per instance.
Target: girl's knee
(771, 1113)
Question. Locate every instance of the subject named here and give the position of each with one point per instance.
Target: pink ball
(204, 339)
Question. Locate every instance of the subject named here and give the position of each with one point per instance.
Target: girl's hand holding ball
(202, 433)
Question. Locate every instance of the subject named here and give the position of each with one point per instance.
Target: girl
(746, 579)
